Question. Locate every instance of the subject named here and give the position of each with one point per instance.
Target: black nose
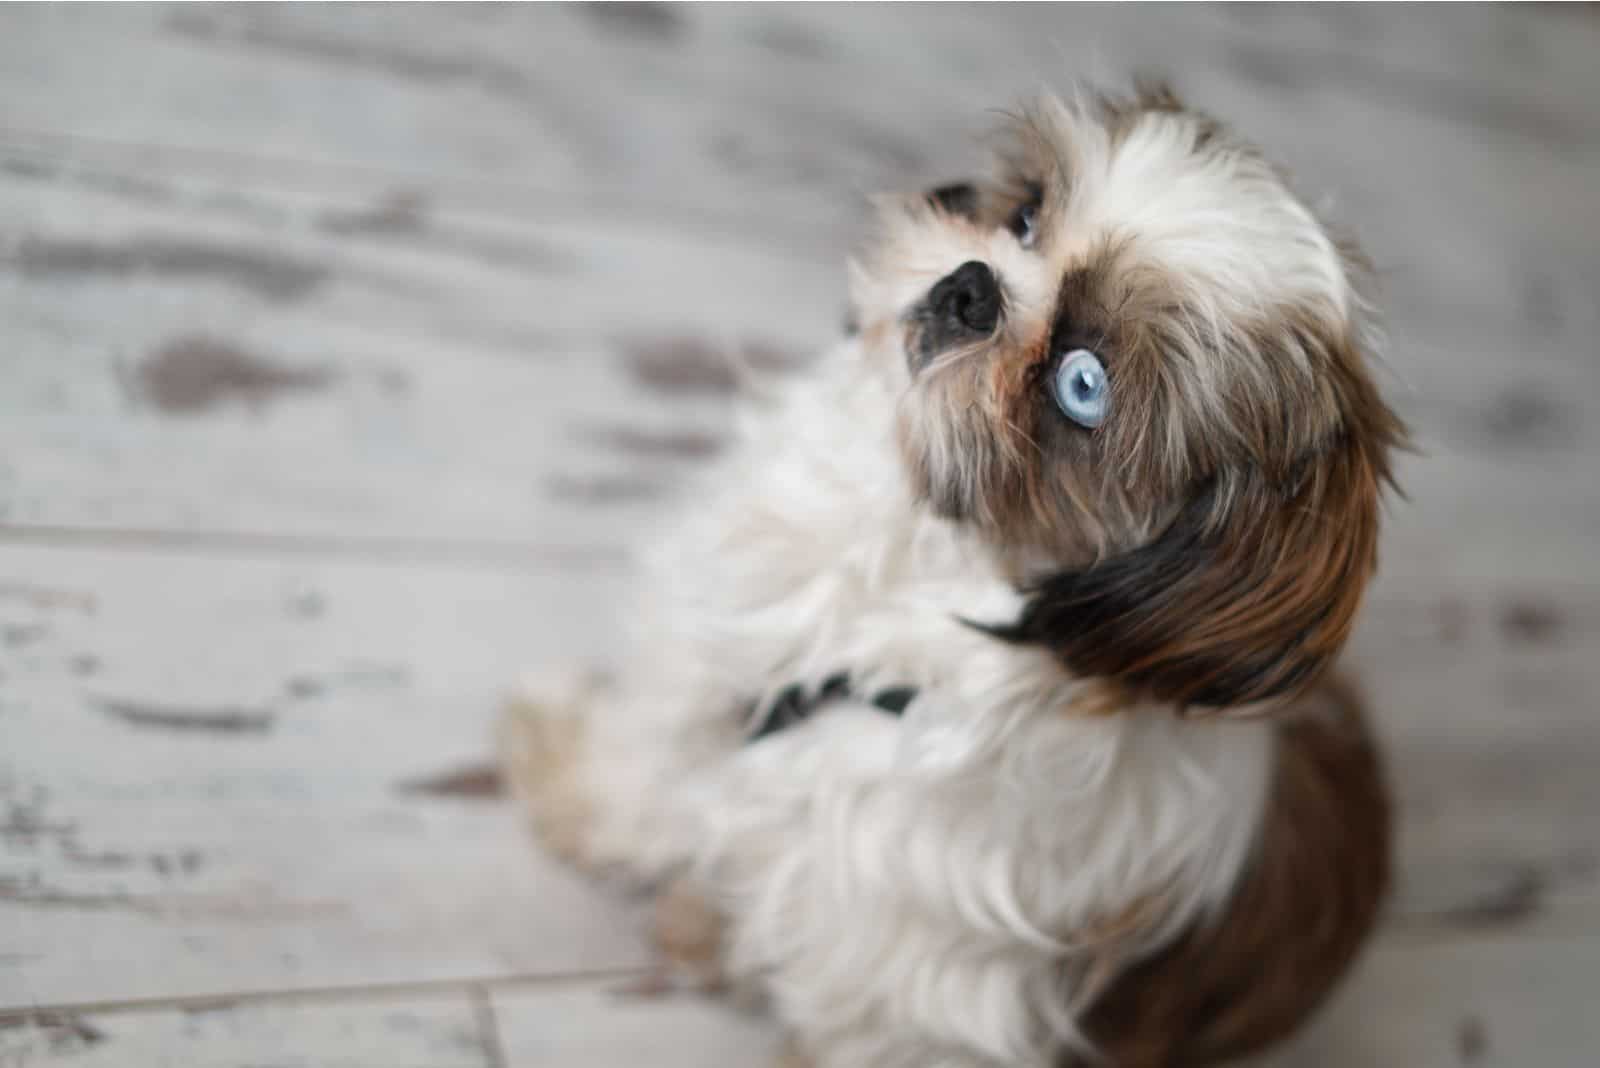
(968, 298)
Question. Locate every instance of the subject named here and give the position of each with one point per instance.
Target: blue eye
(1022, 224)
(1081, 390)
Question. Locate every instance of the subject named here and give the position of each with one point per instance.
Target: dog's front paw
(542, 748)
(792, 1056)
(687, 931)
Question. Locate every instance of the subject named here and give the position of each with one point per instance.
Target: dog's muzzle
(962, 307)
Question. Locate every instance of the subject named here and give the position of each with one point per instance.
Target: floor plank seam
(488, 196)
(494, 1047)
(506, 555)
(353, 992)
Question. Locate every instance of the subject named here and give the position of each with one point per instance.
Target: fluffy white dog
(974, 712)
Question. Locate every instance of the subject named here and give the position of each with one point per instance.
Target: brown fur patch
(1253, 588)
(1099, 697)
(1295, 923)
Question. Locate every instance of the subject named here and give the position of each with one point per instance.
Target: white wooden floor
(345, 353)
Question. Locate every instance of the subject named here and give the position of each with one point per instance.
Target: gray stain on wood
(128, 187)
(659, 22)
(1472, 1040)
(478, 783)
(34, 893)
(399, 212)
(790, 39)
(16, 635)
(401, 216)
(603, 489)
(48, 597)
(686, 364)
(96, 860)
(679, 365)
(210, 719)
(688, 445)
(1531, 622)
(268, 274)
(407, 64)
(1520, 418)
(62, 1032)
(1452, 618)
(1520, 897)
(192, 374)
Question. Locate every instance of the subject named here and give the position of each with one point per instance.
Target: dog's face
(1134, 362)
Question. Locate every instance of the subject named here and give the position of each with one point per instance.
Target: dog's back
(1300, 914)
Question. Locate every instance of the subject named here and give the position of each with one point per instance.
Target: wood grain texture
(596, 1027)
(346, 354)
(465, 282)
(272, 819)
(1465, 1003)
(409, 1031)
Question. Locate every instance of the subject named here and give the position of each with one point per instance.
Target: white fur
(912, 891)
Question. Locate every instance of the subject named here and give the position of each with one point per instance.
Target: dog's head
(1136, 364)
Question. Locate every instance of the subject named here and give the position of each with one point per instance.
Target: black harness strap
(794, 704)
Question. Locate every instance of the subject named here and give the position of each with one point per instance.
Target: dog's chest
(809, 556)
(841, 571)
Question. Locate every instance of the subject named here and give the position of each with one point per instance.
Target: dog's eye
(1081, 390)
(1023, 220)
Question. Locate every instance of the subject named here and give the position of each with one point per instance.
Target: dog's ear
(1246, 596)
(956, 198)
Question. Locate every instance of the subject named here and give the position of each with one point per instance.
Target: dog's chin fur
(978, 881)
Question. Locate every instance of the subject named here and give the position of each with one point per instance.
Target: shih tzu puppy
(976, 713)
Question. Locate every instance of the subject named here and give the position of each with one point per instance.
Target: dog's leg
(543, 739)
(792, 1056)
(599, 766)
(688, 933)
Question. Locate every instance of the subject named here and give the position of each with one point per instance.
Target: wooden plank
(404, 1031)
(1524, 1001)
(262, 774)
(1521, 1000)
(331, 286)
(474, 92)
(736, 136)
(599, 1027)
(728, 106)
(231, 785)
(169, 370)
(1484, 698)
(208, 341)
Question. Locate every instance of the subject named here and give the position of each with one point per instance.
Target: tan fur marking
(687, 930)
(541, 740)
(791, 1056)
(1099, 697)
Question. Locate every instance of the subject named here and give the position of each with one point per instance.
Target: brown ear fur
(1248, 594)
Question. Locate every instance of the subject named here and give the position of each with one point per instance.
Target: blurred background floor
(345, 352)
